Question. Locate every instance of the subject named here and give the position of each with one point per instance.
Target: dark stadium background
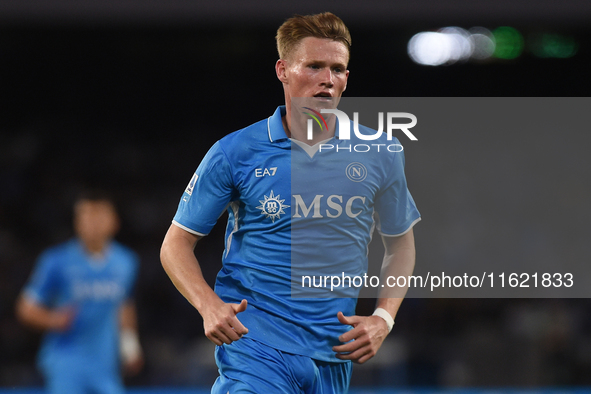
(132, 100)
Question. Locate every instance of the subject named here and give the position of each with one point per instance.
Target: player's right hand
(221, 324)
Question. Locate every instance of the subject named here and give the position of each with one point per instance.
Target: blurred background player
(80, 294)
(268, 341)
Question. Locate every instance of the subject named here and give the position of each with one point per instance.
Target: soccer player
(80, 295)
(284, 197)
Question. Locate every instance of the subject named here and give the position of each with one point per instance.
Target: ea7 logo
(261, 172)
(334, 206)
(345, 125)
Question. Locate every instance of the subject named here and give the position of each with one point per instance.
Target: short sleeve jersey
(284, 206)
(94, 287)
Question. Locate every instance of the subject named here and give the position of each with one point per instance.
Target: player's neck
(296, 128)
(95, 247)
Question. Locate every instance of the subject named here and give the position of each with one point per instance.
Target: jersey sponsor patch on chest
(330, 207)
(97, 290)
(272, 206)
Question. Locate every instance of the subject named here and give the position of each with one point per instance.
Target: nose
(327, 77)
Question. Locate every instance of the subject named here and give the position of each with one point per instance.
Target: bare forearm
(128, 316)
(129, 342)
(399, 261)
(220, 322)
(182, 267)
(40, 317)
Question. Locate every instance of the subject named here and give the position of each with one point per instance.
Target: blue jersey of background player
(269, 341)
(80, 294)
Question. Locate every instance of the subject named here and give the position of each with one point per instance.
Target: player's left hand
(368, 334)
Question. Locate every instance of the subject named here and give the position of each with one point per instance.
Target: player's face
(95, 221)
(317, 68)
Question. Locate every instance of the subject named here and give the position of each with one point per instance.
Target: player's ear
(346, 79)
(281, 70)
(114, 222)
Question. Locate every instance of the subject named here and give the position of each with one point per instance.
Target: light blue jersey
(285, 204)
(95, 287)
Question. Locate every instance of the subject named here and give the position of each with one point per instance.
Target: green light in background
(509, 42)
(553, 45)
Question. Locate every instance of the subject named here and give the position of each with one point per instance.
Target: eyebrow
(324, 62)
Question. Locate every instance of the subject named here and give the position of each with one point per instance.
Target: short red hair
(298, 27)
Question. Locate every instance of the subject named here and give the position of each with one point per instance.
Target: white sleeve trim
(404, 232)
(187, 229)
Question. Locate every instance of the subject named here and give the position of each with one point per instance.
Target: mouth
(324, 95)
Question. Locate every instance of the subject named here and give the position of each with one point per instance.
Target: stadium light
(451, 45)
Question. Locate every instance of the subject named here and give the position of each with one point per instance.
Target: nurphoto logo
(344, 123)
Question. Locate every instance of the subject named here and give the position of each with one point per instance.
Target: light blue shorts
(63, 377)
(248, 366)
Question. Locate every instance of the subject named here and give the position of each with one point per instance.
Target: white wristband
(381, 312)
(129, 345)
